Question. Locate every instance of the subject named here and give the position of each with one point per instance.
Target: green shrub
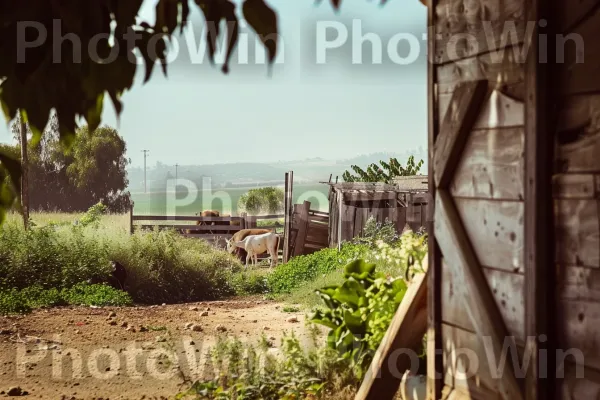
(15, 301)
(358, 312)
(95, 295)
(250, 282)
(262, 200)
(162, 267)
(49, 258)
(307, 268)
(374, 231)
(247, 371)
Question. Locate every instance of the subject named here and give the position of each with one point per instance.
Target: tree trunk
(24, 176)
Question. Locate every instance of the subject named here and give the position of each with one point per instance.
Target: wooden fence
(208, 232)
(352, 204)
(308, 231)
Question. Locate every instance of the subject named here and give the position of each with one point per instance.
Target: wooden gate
(482, 304)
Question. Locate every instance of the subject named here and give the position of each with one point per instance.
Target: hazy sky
(334, 109)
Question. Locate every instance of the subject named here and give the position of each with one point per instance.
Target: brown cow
(205, 213)
(241, 235)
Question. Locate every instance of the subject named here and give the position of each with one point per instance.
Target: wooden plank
(492, 165)
(288, 211)
(578, 312)
(569, 16)
(504, 66)
(465, 368)
(577, 232)
(183, 218)
(195, 228)
(494, 225)
(574, 186)
(401, 218)
(302, 225)
(507, 288)
(538, 233)
(499, 111)
(466, 29)
(454, 131)
(579, 383)
(207, 237)
(579, 135)
(579, 321)
(434, 333)
(269, 216)
(578, 70)
(364, 186)
(405, 333)
(480, 304)
(347, 225)
(369, 196)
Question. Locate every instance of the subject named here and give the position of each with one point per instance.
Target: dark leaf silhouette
(232, 32)
(264, 22)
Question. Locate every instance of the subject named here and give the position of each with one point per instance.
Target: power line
(145, 181)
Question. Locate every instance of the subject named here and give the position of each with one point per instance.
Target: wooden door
(478, 226)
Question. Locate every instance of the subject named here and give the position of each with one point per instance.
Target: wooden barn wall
(576, 188)
(487, 188)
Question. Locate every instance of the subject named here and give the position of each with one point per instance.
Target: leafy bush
(386, 173)
(246, 371)
(93, 215)
(374, 231)
(358, 312)
(164, 267)
(262, 200)
(306, 268)
(161, 266)
(15, 301)
(251, 282)
(95, 295)
(50, 258)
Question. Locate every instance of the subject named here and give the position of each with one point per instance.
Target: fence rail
(224, 227)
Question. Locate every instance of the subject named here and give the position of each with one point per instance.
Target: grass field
(224, 200)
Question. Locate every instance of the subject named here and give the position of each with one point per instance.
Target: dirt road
(136, 353)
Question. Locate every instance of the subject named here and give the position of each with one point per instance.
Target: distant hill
(253, 174)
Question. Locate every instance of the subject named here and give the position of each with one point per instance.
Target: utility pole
(145, 181)
(176, 165)
(25, 169)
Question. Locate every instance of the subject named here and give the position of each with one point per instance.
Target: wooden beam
(183, 218)
(369, 196)
(435, 361)
(287, 222)
(462, 113)
(301, 224)
(540, 281)
(479, 303)
(405, 333)
(364, 186)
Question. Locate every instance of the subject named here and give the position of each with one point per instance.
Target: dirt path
(84, 354)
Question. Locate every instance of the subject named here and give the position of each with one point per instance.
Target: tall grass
(161, 266)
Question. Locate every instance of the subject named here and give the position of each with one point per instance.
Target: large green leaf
(349, 293)
(354, 322)
(360, 268)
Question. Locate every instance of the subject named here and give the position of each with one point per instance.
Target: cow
(258, 244)
(205, 213)
(241, 235)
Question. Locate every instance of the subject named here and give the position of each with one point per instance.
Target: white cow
(257, 244)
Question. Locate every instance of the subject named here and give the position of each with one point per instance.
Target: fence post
(302, 228)
(131, 218)
(243, 221)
